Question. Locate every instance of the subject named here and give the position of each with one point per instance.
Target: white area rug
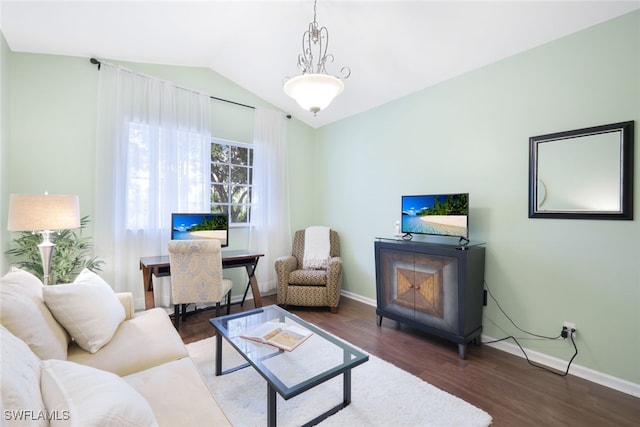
(381, 395)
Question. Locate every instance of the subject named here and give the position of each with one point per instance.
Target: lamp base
(46, 249)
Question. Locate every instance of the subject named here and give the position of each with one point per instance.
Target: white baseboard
(552, 362)
(360, 298)
(576, 370)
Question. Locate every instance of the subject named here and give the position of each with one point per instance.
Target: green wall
(470, 134)
(53, 103)
(467, 134)
(4, 146)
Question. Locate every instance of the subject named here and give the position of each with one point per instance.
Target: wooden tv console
(436, 288)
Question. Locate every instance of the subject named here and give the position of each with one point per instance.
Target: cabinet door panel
(395, 285)
(436, 291)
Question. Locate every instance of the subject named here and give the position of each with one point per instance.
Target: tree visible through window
(231, 179)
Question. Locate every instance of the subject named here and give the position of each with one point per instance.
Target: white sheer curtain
(153, 158)
(270, 221)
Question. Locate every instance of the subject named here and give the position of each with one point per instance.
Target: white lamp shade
(314, 92)
(40, 212)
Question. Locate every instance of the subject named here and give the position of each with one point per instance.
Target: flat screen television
(436, 214)
(193, 226)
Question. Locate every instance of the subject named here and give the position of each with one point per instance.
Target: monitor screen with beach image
(200, 226)
(436, 214)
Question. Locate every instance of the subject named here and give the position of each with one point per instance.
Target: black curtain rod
(232, 102)
(94, 61)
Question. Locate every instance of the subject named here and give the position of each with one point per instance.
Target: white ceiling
(392, 47)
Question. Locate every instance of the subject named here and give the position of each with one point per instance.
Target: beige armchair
(310, 287)
(196, 275)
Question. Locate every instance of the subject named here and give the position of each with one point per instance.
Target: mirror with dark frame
(582, 174)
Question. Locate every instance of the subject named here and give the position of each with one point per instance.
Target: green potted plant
(73, 253)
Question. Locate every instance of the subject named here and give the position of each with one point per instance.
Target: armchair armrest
(333, 261)
(334, 271)
(126, 299)
(334, 282)
(284, 266)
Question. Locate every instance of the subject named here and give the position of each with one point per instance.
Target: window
(160, 164)
(231, 179)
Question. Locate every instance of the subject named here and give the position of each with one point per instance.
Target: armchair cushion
(308, 277)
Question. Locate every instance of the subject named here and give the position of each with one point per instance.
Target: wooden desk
(159, 266)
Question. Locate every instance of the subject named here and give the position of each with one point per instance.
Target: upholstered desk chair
(312, 286)
(196, 275)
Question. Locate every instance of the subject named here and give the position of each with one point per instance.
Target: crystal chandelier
(315, 89)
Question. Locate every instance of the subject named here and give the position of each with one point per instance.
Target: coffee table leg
(218, 353)
(346, 387)
(271, 406)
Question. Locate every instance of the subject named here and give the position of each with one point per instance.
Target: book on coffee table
(278, 334)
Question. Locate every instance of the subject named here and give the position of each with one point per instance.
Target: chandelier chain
(317, 39)
(315, 11)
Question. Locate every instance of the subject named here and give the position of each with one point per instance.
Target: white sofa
(94, 363)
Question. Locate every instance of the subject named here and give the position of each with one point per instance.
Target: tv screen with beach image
(200, 226)
(439, 214)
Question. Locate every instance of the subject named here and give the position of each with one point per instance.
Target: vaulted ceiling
(392, 47)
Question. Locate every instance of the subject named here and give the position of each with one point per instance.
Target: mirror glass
(585, 173)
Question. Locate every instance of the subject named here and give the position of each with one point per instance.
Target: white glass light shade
(39, 212)
(314, 92)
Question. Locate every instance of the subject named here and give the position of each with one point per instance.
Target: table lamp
(44, 214)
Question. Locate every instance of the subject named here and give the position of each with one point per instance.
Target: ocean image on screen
(444, 214)
(200, 226)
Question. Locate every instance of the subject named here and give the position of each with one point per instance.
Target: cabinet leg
(462, 351)
(379, 320)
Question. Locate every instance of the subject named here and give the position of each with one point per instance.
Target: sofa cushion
(88, 309)
(147, 340)
(20, 391)
(174, 386)
(24, 313)
(91, 397)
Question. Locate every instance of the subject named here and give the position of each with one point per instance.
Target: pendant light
(315, 89)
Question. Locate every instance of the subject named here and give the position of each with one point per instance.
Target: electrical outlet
(570, 326)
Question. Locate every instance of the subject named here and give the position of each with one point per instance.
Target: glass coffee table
(288, 373)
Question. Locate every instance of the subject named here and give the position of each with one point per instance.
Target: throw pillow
(24, 313)
(87, 308)
(20, 385)
(84, 396)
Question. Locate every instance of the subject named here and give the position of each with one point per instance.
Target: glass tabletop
(318, 358)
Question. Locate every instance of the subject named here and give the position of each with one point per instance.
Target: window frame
(229, 183)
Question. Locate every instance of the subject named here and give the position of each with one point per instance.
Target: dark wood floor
(510, 390)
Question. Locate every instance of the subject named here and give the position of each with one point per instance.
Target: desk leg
(147, 287)
(253, 283)
(145, 276)
(257, 299)
(149, 301)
